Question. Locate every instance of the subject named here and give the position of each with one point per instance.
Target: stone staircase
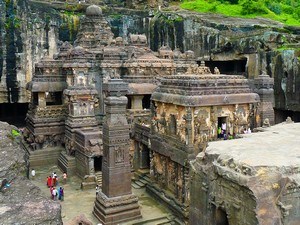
(164, 220)
(140, 180)
(42, 157)
(155, 221)
(67, 163)
(98, 176)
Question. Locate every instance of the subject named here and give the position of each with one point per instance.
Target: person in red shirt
(49, 181)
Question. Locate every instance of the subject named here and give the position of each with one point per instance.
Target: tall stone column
(264, 88)
(115, 203)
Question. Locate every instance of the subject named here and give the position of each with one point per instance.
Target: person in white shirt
(33, 174)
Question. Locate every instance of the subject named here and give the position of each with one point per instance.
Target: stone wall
(21, 201)
(213, 194)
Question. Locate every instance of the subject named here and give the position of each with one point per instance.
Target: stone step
(134, 185)
(147, 178)
(154, 221)
(143, 181)
(42, 157)
(67, 163)
(98, 176)
(139, 183)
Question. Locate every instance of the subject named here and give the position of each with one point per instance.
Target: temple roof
(202, 88)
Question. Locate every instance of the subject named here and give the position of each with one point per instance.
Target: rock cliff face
(30, 30)
(20, 201)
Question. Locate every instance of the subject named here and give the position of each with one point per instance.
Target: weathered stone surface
(214, 38)
(21, 202)
(81, 219)
(252, 180)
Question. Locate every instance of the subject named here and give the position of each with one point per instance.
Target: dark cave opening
(98, 163)
(233, 67)
(281, 115)
(14, 113)
(146, 101)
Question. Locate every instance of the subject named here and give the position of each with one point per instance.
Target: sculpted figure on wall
(161, 123)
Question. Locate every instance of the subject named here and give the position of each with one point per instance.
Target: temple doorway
(221, 120)
(223, 125)
(144, 157)
(98, 163)
(221, 217)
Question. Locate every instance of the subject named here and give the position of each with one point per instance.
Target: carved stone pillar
(137, 102)
(115, 203)
(264, 88)
(41, 99)
(189, 133)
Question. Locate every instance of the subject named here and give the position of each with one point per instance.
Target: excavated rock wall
(32, 30)
(21, 202)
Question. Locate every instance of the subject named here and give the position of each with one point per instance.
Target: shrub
(274, 7)
(253, 7)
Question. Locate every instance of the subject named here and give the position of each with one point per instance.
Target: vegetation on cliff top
(285, 11)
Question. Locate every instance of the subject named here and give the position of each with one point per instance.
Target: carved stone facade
(46, 114)
(67, 90)
(115, 203)
(187, 111)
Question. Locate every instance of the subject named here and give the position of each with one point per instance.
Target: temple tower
(115, 203)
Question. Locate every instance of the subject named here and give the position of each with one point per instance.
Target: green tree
(253, 7)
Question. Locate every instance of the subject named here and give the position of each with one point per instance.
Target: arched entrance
(221, 217)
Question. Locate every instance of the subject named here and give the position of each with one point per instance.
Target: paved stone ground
(79, 201)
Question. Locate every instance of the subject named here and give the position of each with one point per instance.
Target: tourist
(33, 174)
(61, 194)
(49, 181)
(64, 177)
(97, 189)
(219, 132)
(54, 193)
(249, 131)
(224, 128)
(225, 136)
(51, 192)
(54, 179)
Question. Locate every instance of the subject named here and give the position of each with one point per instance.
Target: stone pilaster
(115, 203)
(264, 88)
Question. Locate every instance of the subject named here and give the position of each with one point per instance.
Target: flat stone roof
(277, 146)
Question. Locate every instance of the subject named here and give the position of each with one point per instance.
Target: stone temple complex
(110, 106)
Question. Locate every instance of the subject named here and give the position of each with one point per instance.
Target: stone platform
(152, 212)
(42, 157)
(251, 180)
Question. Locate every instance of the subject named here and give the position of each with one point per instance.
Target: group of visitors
(57, 193)
(52, 183)
(223, 134)
(52, 180)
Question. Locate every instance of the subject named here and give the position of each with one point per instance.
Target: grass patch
(246, 9)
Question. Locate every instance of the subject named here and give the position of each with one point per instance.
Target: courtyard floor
(79, 201)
